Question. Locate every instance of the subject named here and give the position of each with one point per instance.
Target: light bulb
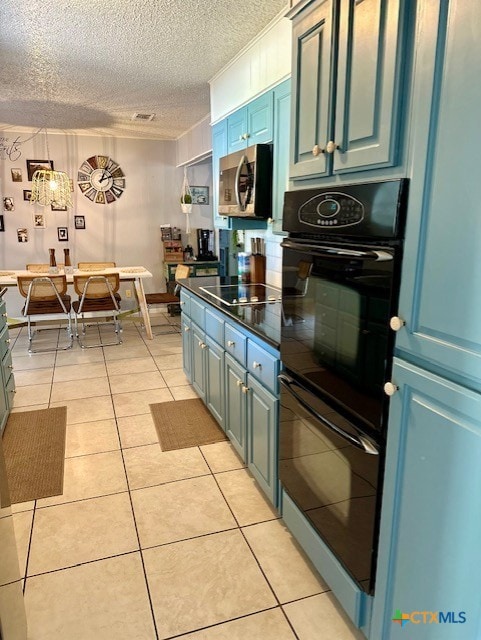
(53, 185)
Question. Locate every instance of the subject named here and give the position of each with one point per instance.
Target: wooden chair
(41, 267)
(92, 266)
(98, 297)
(172, 300)
(46, 299)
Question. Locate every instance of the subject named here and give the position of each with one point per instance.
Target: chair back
(95, 287)
(43, 288)
(182, 271)
(41, 268)
(92, 266)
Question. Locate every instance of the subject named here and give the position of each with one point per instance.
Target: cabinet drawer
(4, 342)
(185, 302)
(197, 312)
(3, 314)
(7, 365)
(10, 391)
(214, 327)
(235, 343)
(262, 365)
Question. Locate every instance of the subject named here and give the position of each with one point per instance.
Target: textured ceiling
(90, 65)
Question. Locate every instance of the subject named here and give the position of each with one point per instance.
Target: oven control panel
(331, 209)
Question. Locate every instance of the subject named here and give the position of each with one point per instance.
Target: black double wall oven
(340, 285)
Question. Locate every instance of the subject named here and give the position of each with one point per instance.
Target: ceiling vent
(146, 117)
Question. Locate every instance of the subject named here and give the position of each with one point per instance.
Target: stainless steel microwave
(245, 183)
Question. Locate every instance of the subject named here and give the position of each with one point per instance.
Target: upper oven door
(337, 301)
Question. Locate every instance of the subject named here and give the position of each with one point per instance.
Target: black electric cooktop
(242, 294)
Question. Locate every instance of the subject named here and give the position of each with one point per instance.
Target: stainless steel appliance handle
(360, 442)
(236, 185)
(337, 252)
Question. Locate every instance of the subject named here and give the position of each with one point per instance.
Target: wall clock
(101, 180)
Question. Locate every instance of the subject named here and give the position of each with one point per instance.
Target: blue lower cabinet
(215, 380)
(262, 422)
(235, 405)
(430, 550)
(199, 358)
(187, 346)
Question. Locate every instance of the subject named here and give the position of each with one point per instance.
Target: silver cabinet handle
(203, 345)
(239, 383)
(182, 302)
(4, 315)
(230, 343)
(257, 365)
(7, 341)
(245, 389)
(186, 328)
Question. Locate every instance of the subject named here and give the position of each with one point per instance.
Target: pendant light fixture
(50, 187)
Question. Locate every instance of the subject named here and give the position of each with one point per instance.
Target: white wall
(126, 231)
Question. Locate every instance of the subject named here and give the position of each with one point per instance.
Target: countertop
(263, 320)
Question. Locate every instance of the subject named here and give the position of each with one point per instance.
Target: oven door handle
(337, 252)
(360, 442)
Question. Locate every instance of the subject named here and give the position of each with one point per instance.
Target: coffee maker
(203, 243)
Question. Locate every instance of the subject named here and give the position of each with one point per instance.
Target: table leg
(139, 290)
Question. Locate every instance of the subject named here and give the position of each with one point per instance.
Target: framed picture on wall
(62, 233)
(16, 175)
(56, 207)
(8, 204)
(2, 223)
(200, 195)
(37, 165)
(39, 221)
(27, 194)
(22, 235)
(79, 222)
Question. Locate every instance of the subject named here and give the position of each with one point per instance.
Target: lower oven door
(331, 472)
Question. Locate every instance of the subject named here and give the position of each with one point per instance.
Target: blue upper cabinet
(219, 149)
(282, 114)
(252, 124)
(368, 84)
(347, 79)
(311, 81)
(440, 287)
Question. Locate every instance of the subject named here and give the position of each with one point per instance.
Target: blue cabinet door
(440, 288)
(237, 130)
(260, 119)
(235, 405)
(280, 178)
(219, 149)
(311, 123)
(199, 353)
(430, 550)
(187, 346)
(262, 416)
(215, 380)
(369, 73)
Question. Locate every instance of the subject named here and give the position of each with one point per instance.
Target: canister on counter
(244, 267)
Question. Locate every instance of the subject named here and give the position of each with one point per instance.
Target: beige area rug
(185, 423)
(34, 448)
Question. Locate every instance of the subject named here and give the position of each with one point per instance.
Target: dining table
(135, 274)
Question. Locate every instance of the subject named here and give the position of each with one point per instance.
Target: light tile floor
(144, 544)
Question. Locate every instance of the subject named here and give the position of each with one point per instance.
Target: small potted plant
(186, 202)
